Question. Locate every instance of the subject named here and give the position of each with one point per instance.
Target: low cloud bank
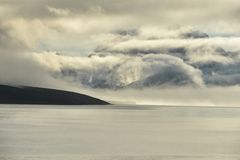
(185, 68)
(183, 96)
(130, 59)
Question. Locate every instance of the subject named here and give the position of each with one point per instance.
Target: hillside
(33, 95)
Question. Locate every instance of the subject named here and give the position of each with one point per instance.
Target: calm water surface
(119, 133)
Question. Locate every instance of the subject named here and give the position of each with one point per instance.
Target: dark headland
(34, 95)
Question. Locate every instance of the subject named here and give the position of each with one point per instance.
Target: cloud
(201, 14)
(99, 45)
(58, 11)
(195, 34)
(132, 58)
(130, 61)
(105, 73)
(183, 96)
(18, 67)
(121, 71)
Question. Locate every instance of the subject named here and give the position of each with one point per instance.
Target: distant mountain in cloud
(130, 59)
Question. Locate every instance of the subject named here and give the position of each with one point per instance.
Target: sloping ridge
(34, 95)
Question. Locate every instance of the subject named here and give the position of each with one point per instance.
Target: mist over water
(119, 133)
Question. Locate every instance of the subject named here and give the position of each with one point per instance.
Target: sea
(119, 132)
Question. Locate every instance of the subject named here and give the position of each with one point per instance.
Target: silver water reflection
(119, 133)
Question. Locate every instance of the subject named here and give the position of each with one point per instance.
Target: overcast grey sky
(138, 47)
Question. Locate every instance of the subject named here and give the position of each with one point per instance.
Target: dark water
(119, 133)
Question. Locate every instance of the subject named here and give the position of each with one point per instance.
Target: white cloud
(58, 11)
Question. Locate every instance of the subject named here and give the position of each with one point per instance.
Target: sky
(165, 52)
